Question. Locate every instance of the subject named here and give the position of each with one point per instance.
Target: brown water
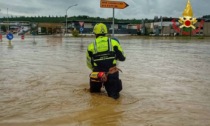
(166, 82)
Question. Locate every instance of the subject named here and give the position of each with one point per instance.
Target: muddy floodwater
(166, 82)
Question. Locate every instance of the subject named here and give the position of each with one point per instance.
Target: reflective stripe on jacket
(104, 52)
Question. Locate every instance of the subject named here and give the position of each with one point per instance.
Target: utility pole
(67, 16)
(113, 24)
(7, 21)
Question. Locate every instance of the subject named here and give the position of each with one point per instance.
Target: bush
(75, 33)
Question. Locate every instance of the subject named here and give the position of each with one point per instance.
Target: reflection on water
(45, 83)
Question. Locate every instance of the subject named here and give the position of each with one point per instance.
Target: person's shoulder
(115, 40)
(90, 45)
(103, 37)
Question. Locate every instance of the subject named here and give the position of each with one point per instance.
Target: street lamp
(66, 14)
(7, 21)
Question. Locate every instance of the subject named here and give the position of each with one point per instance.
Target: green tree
(75, 33)
(3, 27)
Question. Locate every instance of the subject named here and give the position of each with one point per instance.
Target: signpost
(9, 37)
(81, 23)
(81, 26)
(113, 4)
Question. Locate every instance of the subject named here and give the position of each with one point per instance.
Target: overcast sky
(137, 9)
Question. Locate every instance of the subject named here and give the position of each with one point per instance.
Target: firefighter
(102, 56)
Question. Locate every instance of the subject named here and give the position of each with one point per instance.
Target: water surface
(166, 82)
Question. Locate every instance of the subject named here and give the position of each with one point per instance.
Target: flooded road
(166, 82)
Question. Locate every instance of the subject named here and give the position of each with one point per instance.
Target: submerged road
(166, 82)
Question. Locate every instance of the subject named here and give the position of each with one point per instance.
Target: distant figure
(102, 55)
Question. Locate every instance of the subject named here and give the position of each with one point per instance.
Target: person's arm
(118, 50)
(119, 53)
(88, 60)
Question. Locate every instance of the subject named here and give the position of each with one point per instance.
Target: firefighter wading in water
(102, 55)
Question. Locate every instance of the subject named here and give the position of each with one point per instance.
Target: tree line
(61, 19)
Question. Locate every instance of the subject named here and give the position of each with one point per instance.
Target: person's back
(102, 55)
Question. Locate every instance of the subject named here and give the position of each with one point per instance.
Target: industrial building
(162, 26)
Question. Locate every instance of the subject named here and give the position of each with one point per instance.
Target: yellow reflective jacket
(104, 53)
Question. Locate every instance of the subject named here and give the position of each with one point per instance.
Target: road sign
(113, 4)
(81, 23)
(22, 37)
(9, 36)
(81, 29)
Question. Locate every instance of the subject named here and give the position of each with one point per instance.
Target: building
(162, 26)
(206, 28)
(170, 26)
(49, 28)
(87, 27)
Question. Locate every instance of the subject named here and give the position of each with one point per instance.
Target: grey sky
(137, 9)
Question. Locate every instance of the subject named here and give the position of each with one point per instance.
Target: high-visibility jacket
(104, 53)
